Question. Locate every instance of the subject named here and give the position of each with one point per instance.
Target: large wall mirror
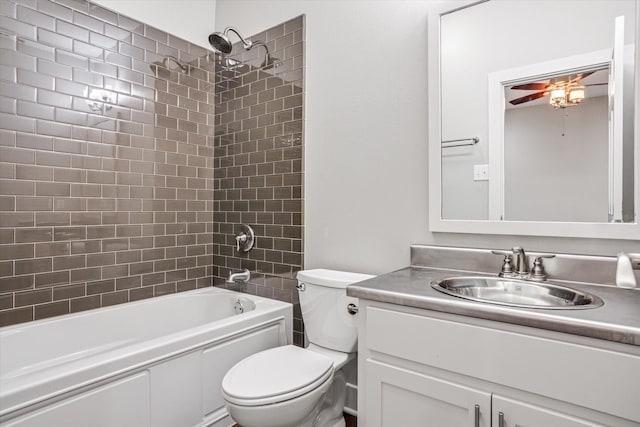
(533, 110)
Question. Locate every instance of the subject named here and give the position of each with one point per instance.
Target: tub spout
(241, 276)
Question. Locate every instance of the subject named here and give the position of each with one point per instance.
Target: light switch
(480, 172)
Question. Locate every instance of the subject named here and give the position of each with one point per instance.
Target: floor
(351, 421)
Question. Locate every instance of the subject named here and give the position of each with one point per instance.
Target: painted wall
(191, 20)
(557, 171)
(366, 179)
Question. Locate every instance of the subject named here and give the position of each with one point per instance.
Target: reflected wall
(496, 36)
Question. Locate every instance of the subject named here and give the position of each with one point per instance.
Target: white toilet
(298, 387)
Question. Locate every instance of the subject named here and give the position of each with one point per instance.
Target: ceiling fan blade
(528, 98)
(531, 86)
(596, 84)
(570, 78)
(581, 76)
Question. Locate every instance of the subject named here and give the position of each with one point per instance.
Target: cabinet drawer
(599, 379)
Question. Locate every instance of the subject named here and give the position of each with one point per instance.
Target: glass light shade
(557, 96)
(576, 94)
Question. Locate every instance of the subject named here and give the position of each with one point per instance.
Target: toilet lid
(275, 375)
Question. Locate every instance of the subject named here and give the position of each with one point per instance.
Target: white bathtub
(157, 362)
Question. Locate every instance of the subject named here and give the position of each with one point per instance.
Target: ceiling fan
(563, 91)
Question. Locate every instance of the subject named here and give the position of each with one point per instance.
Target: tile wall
(258, 158)
(106, 161)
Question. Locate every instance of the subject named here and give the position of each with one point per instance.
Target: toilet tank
(324, 301)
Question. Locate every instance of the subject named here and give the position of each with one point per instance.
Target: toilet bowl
(290, 386)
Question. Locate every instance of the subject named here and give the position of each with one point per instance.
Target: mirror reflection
(537, 111)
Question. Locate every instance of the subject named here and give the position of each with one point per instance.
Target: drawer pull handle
(500, 419)
(477, 416)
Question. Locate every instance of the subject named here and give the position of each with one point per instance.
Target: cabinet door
(401, 397)
(520, 414)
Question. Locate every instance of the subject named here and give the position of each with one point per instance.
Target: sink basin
(516, 293)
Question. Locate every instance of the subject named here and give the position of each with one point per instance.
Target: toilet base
(330, 414)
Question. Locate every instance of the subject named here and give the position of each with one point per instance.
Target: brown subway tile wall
(106, 160)
(258, 163)
(118, 182)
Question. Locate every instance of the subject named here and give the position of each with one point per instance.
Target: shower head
(220, 41)
(269, 61)
(159, 70)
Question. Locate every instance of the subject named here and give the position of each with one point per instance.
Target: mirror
(531, 118)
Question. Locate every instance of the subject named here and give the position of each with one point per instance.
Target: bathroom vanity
(426, 358)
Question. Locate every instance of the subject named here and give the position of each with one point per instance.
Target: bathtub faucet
(242, 276)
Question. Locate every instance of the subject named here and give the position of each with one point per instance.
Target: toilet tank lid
(331, 278)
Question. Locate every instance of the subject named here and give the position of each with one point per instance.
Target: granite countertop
(617, 320)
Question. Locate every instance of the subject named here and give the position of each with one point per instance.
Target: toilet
(298, 387)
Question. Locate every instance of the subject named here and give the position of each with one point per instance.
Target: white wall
(557, 162)
(191, 20)
(366, 196)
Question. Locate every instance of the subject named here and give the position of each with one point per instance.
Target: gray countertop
(617, 320)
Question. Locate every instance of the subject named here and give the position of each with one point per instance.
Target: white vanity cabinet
(426, 368)
(402, 397)
(508, 412)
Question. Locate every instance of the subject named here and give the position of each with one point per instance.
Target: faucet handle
(507, 267)
(624, 270)
(245, 238)
(537, 270)
(241, 239)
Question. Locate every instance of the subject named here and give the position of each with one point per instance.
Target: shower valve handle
(241, 238)
(245, 238)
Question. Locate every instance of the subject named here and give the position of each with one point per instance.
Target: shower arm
(166, 59)
(247, 45)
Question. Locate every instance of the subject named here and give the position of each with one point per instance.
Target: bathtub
(157, 362)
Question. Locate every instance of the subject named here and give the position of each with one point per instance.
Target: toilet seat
(276, 375)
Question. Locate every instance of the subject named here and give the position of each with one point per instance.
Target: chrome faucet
(515, 265)
(520, 261)
(241, 276)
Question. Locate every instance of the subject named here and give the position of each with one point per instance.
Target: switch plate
(480, 172)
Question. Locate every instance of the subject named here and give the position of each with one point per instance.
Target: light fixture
(576, 94)
(558, 98)
(566, 96)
